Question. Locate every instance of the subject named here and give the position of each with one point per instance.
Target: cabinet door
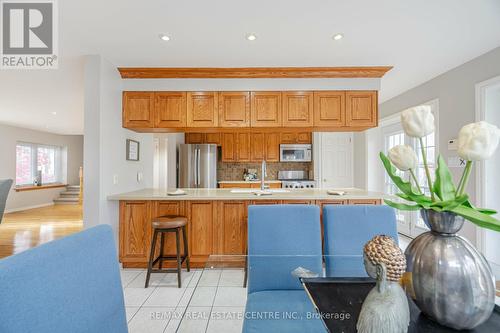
(228, 147)
(138, 109)
(170, 109)
(163, 208)
(258, 147)
(288, 137)
(297, 109)
(202, 109)
(201, 215)
(243, 147)
(230, 228)
(361, 109)
(234, 109)
(135, 231)
(304, 137)
(194, 138)
(329, 108)
(266, 109)
(272, 147)
(213, 138)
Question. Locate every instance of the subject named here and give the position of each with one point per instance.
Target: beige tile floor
(209, 301)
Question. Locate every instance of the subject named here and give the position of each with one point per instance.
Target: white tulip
(403, 157)
(418, 121)
(478, 141)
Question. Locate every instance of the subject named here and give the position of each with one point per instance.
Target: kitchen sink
(255, 190)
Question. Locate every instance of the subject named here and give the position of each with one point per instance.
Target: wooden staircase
(69, 197)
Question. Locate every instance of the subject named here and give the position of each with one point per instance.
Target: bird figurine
(385, 309)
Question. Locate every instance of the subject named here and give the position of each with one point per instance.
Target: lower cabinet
(214, 227)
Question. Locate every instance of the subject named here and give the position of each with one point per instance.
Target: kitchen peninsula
(217, 218)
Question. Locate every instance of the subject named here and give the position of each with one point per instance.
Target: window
(410, 223)
(34, 159)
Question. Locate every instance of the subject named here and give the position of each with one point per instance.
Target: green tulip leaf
(486, 211)
(402, 206)
(443, 185)
(480, 219)
(449, 205)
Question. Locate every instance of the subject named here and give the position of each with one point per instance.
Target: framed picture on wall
(132, 150)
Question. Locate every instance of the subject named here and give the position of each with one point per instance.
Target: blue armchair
(68, 285)
(280, 239)
(346, 230)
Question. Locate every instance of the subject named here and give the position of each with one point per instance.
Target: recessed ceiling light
(164, 37)
(338, 36)
(54, 113)
(251, 37)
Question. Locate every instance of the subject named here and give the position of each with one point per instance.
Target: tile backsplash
(234, 171)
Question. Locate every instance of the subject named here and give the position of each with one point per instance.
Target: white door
(336, 160)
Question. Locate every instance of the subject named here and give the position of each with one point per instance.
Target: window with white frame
(410, 223)
(33, 160)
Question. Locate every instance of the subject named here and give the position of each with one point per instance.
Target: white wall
(455, 91)
(104, 142)
(9, 136)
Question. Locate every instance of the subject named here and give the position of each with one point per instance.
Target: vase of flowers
(449, 280)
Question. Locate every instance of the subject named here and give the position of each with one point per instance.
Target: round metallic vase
(452, 282)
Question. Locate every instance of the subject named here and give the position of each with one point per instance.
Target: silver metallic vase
(451, 281)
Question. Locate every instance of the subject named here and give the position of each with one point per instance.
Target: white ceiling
(421, 39)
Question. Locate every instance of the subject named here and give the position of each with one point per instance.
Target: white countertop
(248, 181)
(225, 194)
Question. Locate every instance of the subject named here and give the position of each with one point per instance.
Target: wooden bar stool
(162, 225)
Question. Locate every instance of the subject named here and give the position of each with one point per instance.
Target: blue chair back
(67, 285)
(346, 230)
(5, 185)
(282, 238)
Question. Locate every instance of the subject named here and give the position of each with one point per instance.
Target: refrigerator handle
(196, 167)
(198, 172)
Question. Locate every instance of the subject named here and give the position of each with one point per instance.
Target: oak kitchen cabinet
(244, 184)
(296, 137)
(202, 109)
(243, 147)
(170, 110)
(361, 109)
(297, 108)
(213, 138)
(272, 147)
(214, 227)
(228, 144)
(329, 109)
(266, 109)
(234, 109)
(250, 147)
(138, 109)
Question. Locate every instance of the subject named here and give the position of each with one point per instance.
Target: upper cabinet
(329, 108)
(170, 109)
(361, 109)
(234, 109)
(202, 109)
(266, 109)
(257, 111)
(138, 109)
(297, 109)
(296, 137)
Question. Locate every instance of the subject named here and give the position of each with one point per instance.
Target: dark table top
(339, 301)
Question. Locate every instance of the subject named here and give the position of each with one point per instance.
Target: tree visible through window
(34, 158)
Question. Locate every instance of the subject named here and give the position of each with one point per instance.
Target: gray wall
(9, 135)
(455, 90)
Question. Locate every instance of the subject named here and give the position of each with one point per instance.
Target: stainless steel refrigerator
(197, 166)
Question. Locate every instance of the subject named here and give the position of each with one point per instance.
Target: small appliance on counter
(250, 174)
(295, 179)
(295, 153)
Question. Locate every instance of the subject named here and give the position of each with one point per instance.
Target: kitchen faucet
(263, 172)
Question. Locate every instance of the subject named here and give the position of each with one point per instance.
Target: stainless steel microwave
(295, 153)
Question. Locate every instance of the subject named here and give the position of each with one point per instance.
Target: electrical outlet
(115, 179)
(139, 177)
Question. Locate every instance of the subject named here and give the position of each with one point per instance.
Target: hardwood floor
(23, 230)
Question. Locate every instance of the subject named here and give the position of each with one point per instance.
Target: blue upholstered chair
(68, 285)
(5, 185)
(346, 230)
(280, 239)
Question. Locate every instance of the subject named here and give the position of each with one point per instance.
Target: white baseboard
(28, 207)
